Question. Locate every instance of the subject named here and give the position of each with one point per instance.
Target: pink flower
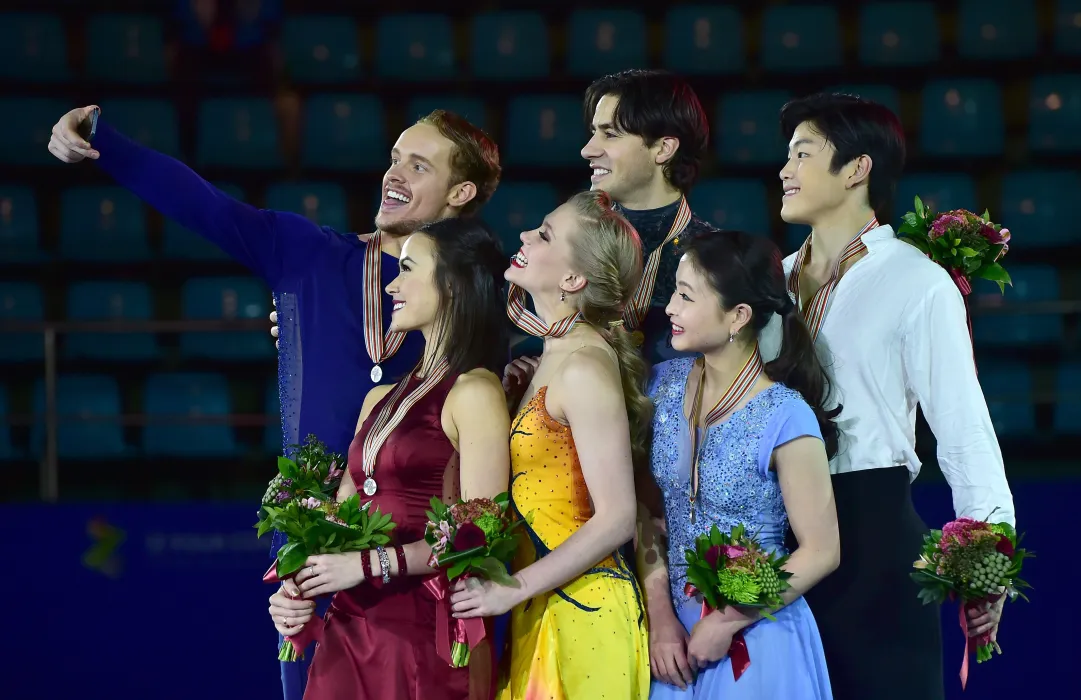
(961, 532)
(733, 551)
(945, 223)
(311, 503)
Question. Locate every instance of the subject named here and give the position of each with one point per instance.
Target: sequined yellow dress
(586, 640)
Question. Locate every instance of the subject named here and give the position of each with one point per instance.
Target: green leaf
(504, 548)
(921, 210)
(995, 273)
(290, 558)
(453, 557)
(288, 468)
(492, 569)
(457, 569)
(966, 251)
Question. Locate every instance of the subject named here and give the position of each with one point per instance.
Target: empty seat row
(514, 45)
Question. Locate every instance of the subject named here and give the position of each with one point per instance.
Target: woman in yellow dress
(578, 628)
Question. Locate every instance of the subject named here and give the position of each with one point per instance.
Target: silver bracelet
(384, 563)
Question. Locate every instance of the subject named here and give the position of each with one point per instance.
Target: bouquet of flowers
(733, 569)
(300, 504)
(470, 538)
(976, 562)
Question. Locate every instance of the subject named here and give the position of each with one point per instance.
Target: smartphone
(89, 128)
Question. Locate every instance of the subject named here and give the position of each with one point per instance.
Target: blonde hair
(608, 253)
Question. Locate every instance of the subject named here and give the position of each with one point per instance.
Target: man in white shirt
(890, 328)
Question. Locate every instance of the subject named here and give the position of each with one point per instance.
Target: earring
(731, 337)
(562, 295)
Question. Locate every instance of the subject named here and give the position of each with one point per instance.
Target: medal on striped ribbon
(635, 312)
(381, 347)
(736, 392)
(391, 415)
(530, 322)
(815, 311)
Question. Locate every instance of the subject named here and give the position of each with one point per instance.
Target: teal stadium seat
(545, 130)
(1041, 205)
(1055, 113)
(794, 236)
(898, 34)
(472, 108)
(1068, 27)
(517, 207)
(272, 436)
(187, 395)
(178, 243)
(1031, 283)
(122, 48)
(321, 49)
(1008, 389)
(87, 409)
(962, 117)
(19, 234)
(939, 191)
(748, 131)
(882, 94)
(800, 38)
(997, 30)
(344, 133)
(323, 203)
(605, 41)
(734, 203)
(110, 301)
(7, 449)
(236, 132)
(28, 124)
(415, 47)
(704, 40)
(21, 301)
(226, 299)
(153, 123)
(33, 48)
(509, 46)
(1068, 407)
(102, 223)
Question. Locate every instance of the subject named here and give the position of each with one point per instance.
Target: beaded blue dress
(736, 486)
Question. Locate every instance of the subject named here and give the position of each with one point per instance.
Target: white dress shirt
(894, 336)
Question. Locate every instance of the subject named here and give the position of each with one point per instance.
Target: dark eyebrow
(798, 143)
(395, 153)
(405, 260)
(680, 283)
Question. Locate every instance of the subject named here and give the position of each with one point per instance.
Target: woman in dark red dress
(441, 431)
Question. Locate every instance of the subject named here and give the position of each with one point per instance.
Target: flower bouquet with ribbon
(732, 568)
(470, 538)
(977, 563)
(300, 504)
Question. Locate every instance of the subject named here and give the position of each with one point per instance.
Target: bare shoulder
(588, 369)
(377, 394)
(477, 385)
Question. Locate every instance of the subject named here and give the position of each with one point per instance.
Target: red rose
(468, 537)
(713, 555)
(1004, 546)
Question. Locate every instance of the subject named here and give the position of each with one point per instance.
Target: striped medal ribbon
(530, 322)
(735, 393)
(635, 311)
(380, 347)
(815, 311)
(391, 415)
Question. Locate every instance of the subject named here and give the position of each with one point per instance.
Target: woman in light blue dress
(758, 456)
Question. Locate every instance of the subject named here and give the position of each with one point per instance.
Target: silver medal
(369, 486)
(377, 374)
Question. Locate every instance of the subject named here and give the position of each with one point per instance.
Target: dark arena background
(138, 399)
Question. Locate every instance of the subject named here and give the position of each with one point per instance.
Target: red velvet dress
(379, 643)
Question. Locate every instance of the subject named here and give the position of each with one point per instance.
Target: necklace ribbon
(815, 311)
(635, 311)
(530, 322)
(381, 347)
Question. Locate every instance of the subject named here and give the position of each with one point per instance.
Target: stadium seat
(110, 301)
(28, 124)
(962, 117)
(33, 48)
(517, 207)
(1068, 27)
(226, 299)
(898, 34)
(545, 130)
(187, 395)
(321, 49)
(87, 407)
(471, 108)
(748, 131)
(509, 46)
(153, 123)
(605, 41)
(102, 223)
(181, 244)
(125, 49)
(1008, 389)
(883, 94)
(21, 301)
(794, 236)
(704, 40)
(1068, 406)
(940, 192)
(1054, 113)
(1043, 205)
(997, 30)
(272, 436)
(800, 38)
(251, 22)
(19, 238)
(7, 449)
(415, 47)
(1031, 283)
(322, 202)
(733, 203)
(237, 132)
(344, 132)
